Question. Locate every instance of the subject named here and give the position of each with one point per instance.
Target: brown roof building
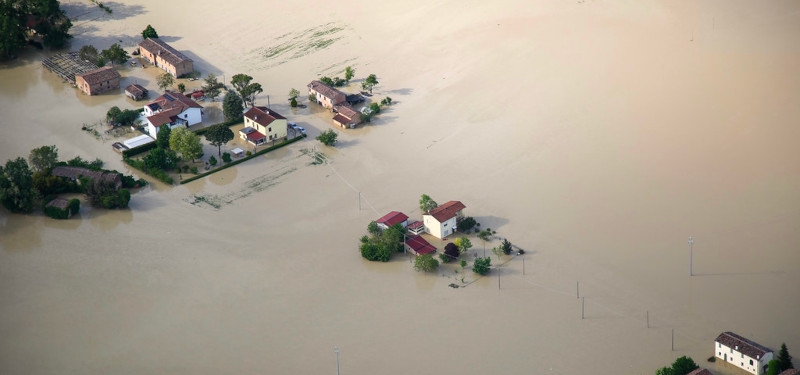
(447, 211)
(165, 57)
(73, 173)
(347, 117)
(743, 353)
(700, 371)
(136, 92)
(325, 95)
(98, 81)
(263, 124)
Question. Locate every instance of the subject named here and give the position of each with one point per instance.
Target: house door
(726, 357)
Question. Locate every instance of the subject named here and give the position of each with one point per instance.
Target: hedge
(242, 160)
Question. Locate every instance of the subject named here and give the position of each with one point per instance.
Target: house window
(269, 130)
(445, 224)
(741, 355)
(719, 345)
(751, 362)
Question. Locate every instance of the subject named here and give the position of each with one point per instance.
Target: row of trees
(114, 54)
(21, 20)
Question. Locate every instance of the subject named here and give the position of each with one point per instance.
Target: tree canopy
(165, 80)
(232, 106)
(89, 53)
(247, 90)
(464, 244)
(328, 137)
(43, 158)
(213, 86)
(186, 142)
(682, 366)
(349, 73)
(16, 186)
(426, 263)
(116, 54)
(370, 83)
(18, 18)
(426, 203)
(380, 245)
(149, 32)
(481, 266)
(784, 359)
(219, 135)
(162, 138)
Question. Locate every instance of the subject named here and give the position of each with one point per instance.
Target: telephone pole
(691, 251)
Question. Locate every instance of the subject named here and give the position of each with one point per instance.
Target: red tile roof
(255, 136)
(164, 117)
(700, 371)
(742, 345)
(791, 371)
(392, 218)
(447, 211)
(415, 225)
(263, 115)
(96, 76)
(419, 245)
(136, 90)
(170, 100)
(349, 112)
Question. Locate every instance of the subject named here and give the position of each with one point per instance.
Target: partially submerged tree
(370, 83)
(44, 158)
(451, 251)
(162, 138)
(506, 246)
(328, 137)
(16, 186)
(213, 87)
(426, 263)
(464, 244)
(293, 93)
(165, 80)
(181, 88)
(89, 53)
(481, 266)
(247, 90)
(349, 73)
(219, 135)
(426, 203)
(232, 106)
(186, 142)
(116, 54)
(149, 32)
(21, 19)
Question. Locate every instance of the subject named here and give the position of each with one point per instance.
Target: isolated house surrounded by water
(325, 95)
(262, 124)
(98, 81)
(173, 109)
(392, 218)
(74, 173)
(136, 91)
(441, 221)
(742, 353)
(165, 57)
(347, 117)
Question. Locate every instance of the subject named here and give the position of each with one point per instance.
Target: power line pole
(673, 339)
(498, 277)
(577, 289)
(691, 251)
(583, 304)
(648, 318)
(336, 350)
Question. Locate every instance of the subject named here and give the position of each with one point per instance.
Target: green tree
(773, 367)
(784, 359)
(52, 24)
(20, 18)
(165, 80)
(293, 103)
(373, 229)
(43, 158)
(481, 266)
(485, 236)
(426, 263)
(506, 246)
(232, 106)
(426, 204)
(327, 81)
(149, 32)
(293, 93)
(683, 365)
(126, 117)
(116, 54)
(162, 138)
(247, 90)
(101, 61)
(219, 135)
(386, 101)
(349, 73)
(464, 244)
(665, 371)
(181, 88)
(370, 83)
(16, 186)
(375, 108)
(111, 115)
(12, 32)
(328, 137)
(226, 157)
(186, 142)
(212, 160)
(160, 158)
(89, 53)
(213, 87)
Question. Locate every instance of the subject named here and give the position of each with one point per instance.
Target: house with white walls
(742, 353)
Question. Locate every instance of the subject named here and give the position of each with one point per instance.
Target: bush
(466, 224)
(212, 160)
(226, 157)
(481, 265)
(328, 137)
(194, 170)
(248, 153)
(293, 103)
(426, 263)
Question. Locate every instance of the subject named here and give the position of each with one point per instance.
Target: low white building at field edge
(742, 353)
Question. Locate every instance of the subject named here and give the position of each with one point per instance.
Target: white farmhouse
(173, 109)
(742, 353)
(441, 221)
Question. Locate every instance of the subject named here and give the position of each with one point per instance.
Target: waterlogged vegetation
(295, 45)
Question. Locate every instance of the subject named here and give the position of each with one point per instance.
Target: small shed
(419, 246)
(138, 141)
(136, 92)
(237, 152)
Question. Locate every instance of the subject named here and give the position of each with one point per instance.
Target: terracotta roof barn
(743, 345)
(392, 218)
(136, 91)
(419, 246)
(105, 73)
(326, 95)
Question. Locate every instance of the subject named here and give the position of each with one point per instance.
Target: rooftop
(420, 245)
(447, 211)
(742, 345)
(392, 218)
(160, 48)
(96, 76)
(263, 115)
(335, 96)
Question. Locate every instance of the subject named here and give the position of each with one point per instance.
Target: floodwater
(598, 136)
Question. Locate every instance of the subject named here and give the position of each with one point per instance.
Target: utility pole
(359, 201)
(336, 350)
(691, 251)
(577, 289)
(673, 339)
(583, 304)
(523, 264)
(498, 277)
(648, 318)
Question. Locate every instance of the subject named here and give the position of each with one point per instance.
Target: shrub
(248, 153)
(481, 265)
(466, 224)
(328, 137)
(194, 170)
(212, 160)
(426, 263)
(293, 103)
(506, 246)
(226, 157)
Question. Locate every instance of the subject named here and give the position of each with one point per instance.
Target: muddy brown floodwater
(596, 135)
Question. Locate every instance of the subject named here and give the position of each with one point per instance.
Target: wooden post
(583, 300)
(648, 318)
(673, 339)
(498, 277)
(523, 264)
(359, 201)
(577, 289)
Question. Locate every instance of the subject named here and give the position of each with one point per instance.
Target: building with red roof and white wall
(441, 221)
